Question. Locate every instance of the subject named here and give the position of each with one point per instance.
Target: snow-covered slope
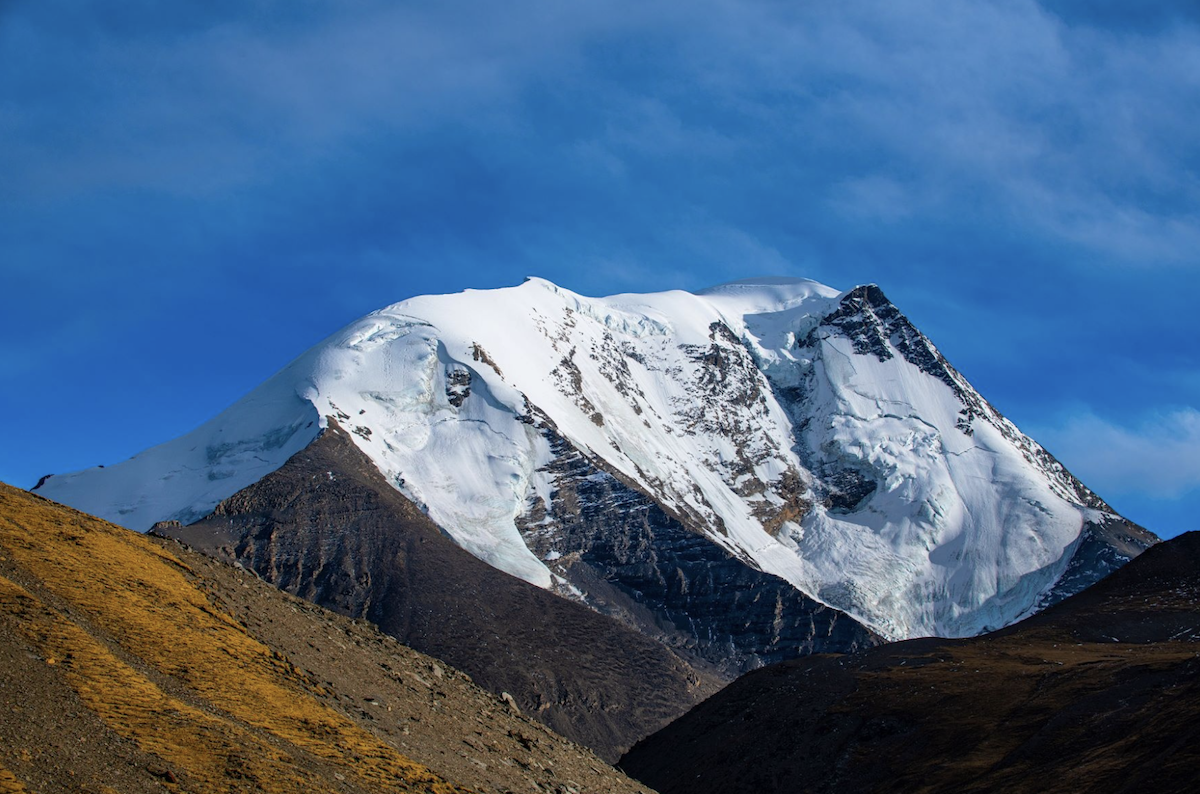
(814, 434)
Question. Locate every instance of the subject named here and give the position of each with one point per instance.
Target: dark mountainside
(1100, 693)
(329, 528)
(132, 664)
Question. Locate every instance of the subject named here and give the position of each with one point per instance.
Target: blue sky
(191, 193)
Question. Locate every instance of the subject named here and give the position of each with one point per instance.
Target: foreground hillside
(130, 664)
(1100, 693)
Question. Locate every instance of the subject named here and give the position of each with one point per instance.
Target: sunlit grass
(119, 612)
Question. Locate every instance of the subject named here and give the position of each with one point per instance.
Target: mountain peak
(814, 435)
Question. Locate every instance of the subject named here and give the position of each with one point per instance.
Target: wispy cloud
(1157, 456)
(858, 111)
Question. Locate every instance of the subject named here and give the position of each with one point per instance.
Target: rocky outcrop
(1106, 543)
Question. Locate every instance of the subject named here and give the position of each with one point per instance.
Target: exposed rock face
(329, 528)
(623, 555)
(458, 386)
(1099, 693)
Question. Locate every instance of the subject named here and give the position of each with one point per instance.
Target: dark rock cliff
(329, 528)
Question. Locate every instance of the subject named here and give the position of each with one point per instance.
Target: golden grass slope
(132, 664)
(9, 783)
(150, 655)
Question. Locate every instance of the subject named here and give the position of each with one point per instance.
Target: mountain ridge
(816, 435)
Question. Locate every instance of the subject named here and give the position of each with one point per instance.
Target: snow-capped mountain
(810, 434)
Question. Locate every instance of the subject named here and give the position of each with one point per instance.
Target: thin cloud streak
(1158, 456)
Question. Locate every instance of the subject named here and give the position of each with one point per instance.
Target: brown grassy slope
(9, 783)
(1098, 694)
(127, 665)
(327, 526)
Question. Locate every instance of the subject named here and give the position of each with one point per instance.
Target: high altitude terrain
(768, 449)
(1100, 693)
(131, 664)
